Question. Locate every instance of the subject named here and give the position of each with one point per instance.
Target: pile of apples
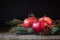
(39, 24)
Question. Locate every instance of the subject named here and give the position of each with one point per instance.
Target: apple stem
(45, 15)
(31, 15)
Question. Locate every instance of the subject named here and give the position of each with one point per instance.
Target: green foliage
(13, 22)
(54, 30)
(30, 30)
(21, 30)
(18, 30)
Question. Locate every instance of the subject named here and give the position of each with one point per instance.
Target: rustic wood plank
(28, 37)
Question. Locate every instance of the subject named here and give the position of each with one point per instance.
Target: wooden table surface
(28, 37)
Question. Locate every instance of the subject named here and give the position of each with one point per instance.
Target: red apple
(43, 24)
(28, 22)
(37, 27)
(47, 19)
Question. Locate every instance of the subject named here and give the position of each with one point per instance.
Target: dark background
(20, 9)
